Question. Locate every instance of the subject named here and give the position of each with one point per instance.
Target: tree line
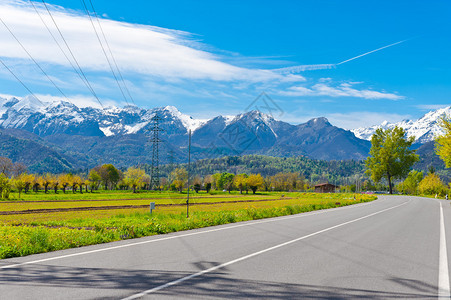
(107, 176)
(178, 180)
(391, 158)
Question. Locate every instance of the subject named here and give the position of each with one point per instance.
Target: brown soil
(53, 210)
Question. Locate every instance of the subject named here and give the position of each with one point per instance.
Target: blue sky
(215, 57)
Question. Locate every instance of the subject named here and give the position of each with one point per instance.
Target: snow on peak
(256, 114)
(30, 103)
(188, 122)
(424, 129)
(172, 109)
(228, 119)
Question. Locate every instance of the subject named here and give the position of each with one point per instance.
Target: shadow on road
(211, 285)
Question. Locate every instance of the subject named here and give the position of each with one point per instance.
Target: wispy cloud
(428, 107)
(160, 66)
(343, 90)
(349, 121)
(145, 50)
(358, 119)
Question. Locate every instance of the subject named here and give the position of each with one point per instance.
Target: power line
(36, 63)
(88, 84)
(40, 68)
(103, 49)
(57, 43)
(21, 82)
(111, 53)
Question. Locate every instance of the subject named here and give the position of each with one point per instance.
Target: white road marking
(171, 283)
(183, 235)
(443, 273)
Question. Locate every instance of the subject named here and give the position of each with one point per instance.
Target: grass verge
(55, 234)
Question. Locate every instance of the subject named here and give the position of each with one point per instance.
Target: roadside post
(152, 206)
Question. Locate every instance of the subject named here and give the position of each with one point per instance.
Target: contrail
(345, 61)
(301, 68)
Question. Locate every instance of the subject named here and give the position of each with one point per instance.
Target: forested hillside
(268, 166)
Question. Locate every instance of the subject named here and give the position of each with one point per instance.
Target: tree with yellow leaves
(134, 177)
(254, 181)
(180, 176)
(36, 183)
(46, 180)
(55, 183)
(65, 181)
(5, 186)
(76, 182)
(19, 183)
(28, 179)
(240, 182)
(443, 142)
(431, 185)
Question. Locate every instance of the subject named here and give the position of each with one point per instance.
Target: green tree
(208, 187)
(109, 174)
(390, 155)
(226, 181)
(134, 177)
(215, 181)
(254, 181)
(94, 179)
(410, 185)
(443, 142)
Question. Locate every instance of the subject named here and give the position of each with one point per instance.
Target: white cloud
(139, 49)
(358, 119)
(347, 121)
(160, 66)
(431, 106)
(343, 90)
(78, 100)
(6, 96)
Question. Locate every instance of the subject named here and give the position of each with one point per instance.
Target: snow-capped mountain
(120, 133)
(45, 118)
(424, 129)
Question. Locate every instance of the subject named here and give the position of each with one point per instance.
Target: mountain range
(61, 136)
(424, 129)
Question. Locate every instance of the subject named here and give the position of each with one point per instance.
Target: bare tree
(19, 169)
(6, 166)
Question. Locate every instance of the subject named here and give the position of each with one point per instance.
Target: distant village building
(325, 188)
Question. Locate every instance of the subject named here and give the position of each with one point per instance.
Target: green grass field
(72, 220)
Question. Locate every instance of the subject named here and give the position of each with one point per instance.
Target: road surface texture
(392, 248)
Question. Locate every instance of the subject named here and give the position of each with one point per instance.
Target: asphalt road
(395, 247)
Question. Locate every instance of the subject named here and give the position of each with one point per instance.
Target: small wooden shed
(325, 188)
